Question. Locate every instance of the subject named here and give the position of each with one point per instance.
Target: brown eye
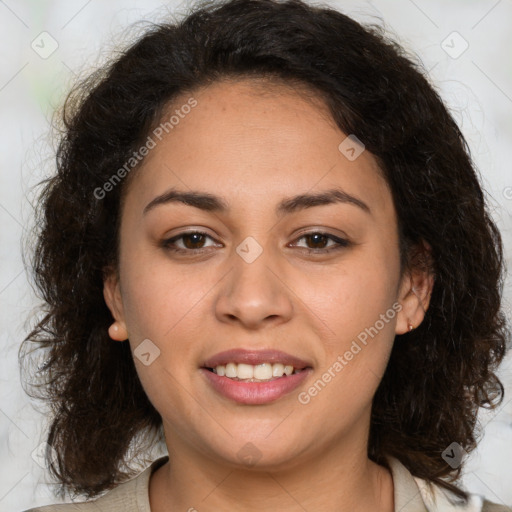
(316, 242)
(187, 242)
(191, 240)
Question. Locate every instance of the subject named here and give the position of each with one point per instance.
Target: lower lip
(255, 393)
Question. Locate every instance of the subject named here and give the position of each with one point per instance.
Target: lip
(255, 393)
(255, 357)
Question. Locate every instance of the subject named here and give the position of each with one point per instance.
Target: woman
(267, 243)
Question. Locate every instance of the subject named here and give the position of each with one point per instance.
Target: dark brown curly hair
(438, 376)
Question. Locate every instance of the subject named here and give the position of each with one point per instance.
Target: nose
(255, 294)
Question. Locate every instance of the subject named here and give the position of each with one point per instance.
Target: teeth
(278, 370)
(254, 373)
(288, 370)
(245, 371)
(263, 371)
(231, 370)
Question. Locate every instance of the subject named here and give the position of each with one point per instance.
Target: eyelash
(168, 244)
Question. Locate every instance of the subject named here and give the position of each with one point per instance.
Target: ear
(416, 289)
(112, 296)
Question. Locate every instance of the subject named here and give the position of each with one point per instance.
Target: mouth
(255, 377)
(255, 366)
(263, 372)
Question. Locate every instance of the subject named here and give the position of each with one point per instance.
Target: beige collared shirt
(411, 495)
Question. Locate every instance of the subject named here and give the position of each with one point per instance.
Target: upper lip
(254, 357)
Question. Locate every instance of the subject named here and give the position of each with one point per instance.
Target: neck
(333, 480)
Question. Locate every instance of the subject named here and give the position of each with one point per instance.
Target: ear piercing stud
(113, 330)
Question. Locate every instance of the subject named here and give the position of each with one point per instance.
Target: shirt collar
(413, 494)
(408, 497)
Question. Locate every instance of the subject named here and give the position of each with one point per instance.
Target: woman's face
(249, 283)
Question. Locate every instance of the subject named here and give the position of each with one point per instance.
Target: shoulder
(493, 507)
(129, 496)
(69, 507)
(413, 494)
(439, 499)
(120, 499)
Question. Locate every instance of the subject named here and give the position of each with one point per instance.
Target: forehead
(253, 140)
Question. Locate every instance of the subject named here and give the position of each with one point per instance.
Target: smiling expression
(247, 228)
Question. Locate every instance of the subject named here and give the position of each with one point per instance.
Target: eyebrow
(212, 203)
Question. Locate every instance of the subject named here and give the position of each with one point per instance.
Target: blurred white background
(464, 45)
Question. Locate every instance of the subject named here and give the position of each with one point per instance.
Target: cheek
(158, 302)
(167, 309)
(159, 297)
(352, 298)
(356, 308)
